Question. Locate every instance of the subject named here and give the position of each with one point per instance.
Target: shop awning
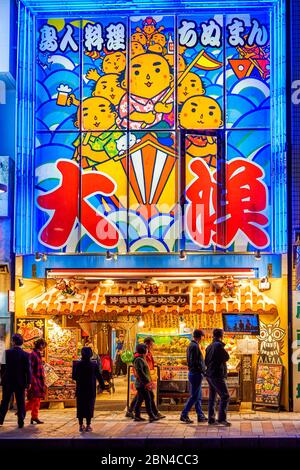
(98, 274)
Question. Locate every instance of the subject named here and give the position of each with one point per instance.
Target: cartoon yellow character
(157, 43)
(155, 47)
(140, 38)
(149, 28)
(114, 62)
(110, 86)
(97, 117)
(150, 96)
(201, 112)
(191, 85)
(136, 48)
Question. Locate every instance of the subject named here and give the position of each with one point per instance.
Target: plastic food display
(169, 352)
(62, 350)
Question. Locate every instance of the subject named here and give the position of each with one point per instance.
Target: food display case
(62, 350)
(169, 354)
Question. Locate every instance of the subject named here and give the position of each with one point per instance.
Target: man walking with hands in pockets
(216, 373)
(196, 371)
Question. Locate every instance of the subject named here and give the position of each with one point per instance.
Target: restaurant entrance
(113, 311)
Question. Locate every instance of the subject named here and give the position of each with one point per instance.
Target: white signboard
(247, 346)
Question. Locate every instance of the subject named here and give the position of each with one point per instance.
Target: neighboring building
(8, 45)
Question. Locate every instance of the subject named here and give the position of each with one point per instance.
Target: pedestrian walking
(196, 368)
(149, 342)
(37, 391)
(143, 384)
(216, 373)
(86, 373)
(16, 379)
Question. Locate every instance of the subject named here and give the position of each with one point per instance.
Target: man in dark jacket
(216, 373)
(196, 370)
(16, 378)
(143, 384)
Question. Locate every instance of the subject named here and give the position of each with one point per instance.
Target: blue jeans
(195, 380)
(217, 386)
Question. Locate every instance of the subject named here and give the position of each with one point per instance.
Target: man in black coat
(196, 370)
(216, 373)
(15, 379)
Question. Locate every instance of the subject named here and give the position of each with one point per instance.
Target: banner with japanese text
(153, 133)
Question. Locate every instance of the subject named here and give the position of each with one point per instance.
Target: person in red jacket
(37, 389)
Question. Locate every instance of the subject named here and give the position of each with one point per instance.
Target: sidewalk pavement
(62, 424)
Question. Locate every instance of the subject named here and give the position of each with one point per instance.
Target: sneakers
(88, 428)
(81, 428)
(129, 414)
(186, 419)
(223, 423)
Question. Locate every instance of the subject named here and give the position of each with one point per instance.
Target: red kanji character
(245, 200)
(62, 203)
(200, 214)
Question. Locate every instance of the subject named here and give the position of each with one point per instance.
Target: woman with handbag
(37, 389)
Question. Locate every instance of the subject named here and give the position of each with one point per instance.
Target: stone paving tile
(63, 424)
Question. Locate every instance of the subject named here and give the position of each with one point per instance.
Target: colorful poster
(268, 384)
(31, 329)
(134, 112)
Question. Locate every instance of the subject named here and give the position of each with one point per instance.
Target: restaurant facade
(151, 190)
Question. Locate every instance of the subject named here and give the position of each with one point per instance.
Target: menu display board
(268, 384)
(31, 329)
(62, 350)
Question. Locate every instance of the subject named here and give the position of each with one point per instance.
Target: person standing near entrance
(37, 391)
(143, 384)
(16, 379)
(120, 366)
(196, 371)
(216, 373)
(86, 373)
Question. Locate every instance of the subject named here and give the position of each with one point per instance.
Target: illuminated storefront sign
(153, 133)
